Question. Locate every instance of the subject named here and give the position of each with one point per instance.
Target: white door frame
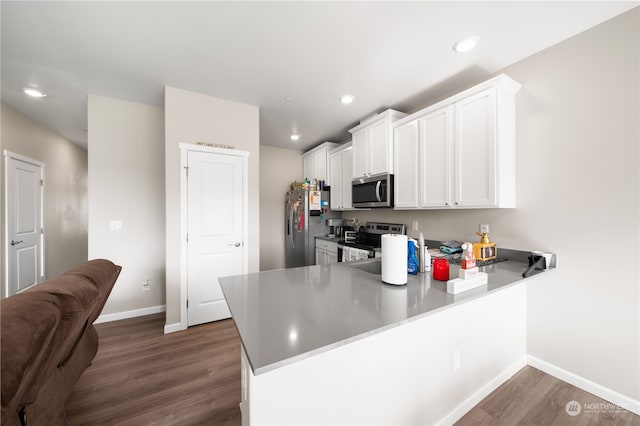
(184, 150)
(7, 156)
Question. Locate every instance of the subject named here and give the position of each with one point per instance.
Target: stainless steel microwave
(372, 191)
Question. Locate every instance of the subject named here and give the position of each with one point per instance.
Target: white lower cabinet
(341, 169)
(459, 153)
(326, 252)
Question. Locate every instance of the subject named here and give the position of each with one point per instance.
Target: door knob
(13, 242)
(235, 244)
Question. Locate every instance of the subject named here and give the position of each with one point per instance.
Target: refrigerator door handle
(288, 223)
(293, 244)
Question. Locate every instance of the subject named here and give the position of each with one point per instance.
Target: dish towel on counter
(350, 254)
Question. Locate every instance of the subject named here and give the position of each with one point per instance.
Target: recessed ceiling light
(346, 99)
(465, 44)
(288, 98)
(295, 137)
(35, 93)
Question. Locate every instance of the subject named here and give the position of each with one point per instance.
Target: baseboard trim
(465, 406)
(172, 328)
(130, 314)
(586, 385)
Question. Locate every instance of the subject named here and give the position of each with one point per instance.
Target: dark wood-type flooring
(142, 377)
(532, 397)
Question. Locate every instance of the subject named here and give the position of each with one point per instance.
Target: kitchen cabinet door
(341, 170)
(361, 160)
(379, 144)
(373, 144)
(320, 165)
(324, 257)
(436, 142)
(315, 163)
(308, 166)
(347, 173)
(336, 168)
(406, 158)
(475, 151)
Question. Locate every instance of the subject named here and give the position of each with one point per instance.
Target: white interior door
(25, 236)
(215, 216)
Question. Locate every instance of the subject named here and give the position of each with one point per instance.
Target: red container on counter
(441, 269)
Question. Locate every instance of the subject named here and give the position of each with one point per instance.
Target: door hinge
(187, 303)
(41, 182)
(186, 169)
(187, 237)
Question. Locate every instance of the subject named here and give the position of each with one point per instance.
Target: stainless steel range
(368, 240)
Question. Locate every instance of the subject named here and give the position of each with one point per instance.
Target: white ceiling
(387, 54)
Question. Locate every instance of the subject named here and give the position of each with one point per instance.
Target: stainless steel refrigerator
(306, 213)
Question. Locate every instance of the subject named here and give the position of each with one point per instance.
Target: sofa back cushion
(102, 274)
(28, 323)
(77, 298)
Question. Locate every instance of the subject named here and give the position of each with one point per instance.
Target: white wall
(191, 117)
(65, 199)
(278, 168)
(126, 183)
(578, 188)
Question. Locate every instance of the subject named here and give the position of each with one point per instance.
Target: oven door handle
(378, 195)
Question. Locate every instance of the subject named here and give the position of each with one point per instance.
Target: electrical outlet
(456, 361)
(146, 284)
(484, 228)
(414, 225)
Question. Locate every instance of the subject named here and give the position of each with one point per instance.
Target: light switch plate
(115, 225)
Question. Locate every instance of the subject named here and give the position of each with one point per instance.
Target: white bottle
(426, 264)
(425, 257)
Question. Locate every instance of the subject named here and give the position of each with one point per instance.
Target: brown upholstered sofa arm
(48, 340)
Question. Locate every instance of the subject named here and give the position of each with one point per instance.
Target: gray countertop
(334, 239)
(287, 315)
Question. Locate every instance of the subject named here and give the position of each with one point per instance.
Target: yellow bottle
(485, 249)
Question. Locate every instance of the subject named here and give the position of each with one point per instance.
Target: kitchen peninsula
(331, 344)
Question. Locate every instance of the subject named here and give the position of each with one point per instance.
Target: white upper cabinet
(406, 159)
(361, 163)
(308, 165)
(315, 162)
(436, 129)
(475, 151)
(459, 152)
(341, 165)
(373, 144)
